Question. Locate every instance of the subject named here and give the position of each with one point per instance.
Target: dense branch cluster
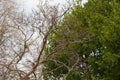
(23, 40)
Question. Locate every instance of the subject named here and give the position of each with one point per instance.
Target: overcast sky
(28, 5)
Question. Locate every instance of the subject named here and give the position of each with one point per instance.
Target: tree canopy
(85, 45)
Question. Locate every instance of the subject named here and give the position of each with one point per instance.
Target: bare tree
(23, 40)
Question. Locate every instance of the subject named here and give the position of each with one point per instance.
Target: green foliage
(26, 45)
(72, 75)
(92, 31)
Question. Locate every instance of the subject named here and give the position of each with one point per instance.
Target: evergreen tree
(86, 44)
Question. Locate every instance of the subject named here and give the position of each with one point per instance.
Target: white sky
(29, 5)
